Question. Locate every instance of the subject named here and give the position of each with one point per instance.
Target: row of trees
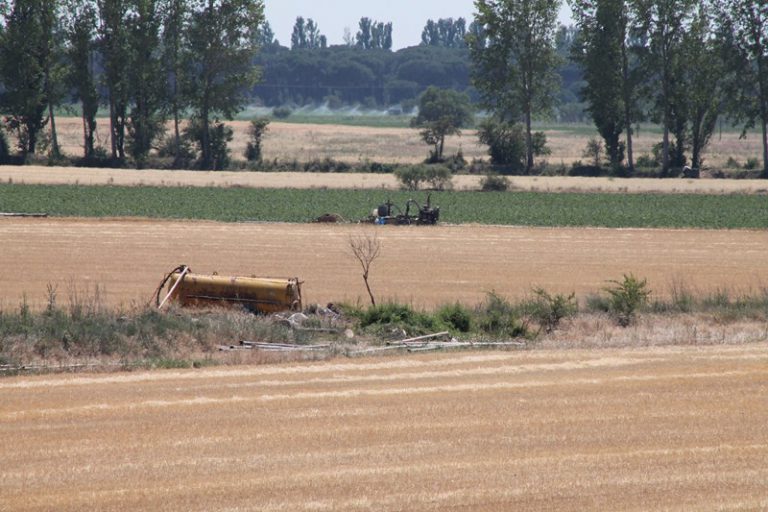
(146, 60)
(679, 63)
(342, 75)
(372, 34)
(306, 35)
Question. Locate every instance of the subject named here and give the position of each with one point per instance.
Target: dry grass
(423, 267)
(31, 175)
(302, 142)
(288, 142)
(653, 429)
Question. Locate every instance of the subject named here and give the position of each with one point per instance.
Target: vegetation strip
(292, 205)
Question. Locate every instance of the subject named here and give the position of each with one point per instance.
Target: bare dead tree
(365, 248)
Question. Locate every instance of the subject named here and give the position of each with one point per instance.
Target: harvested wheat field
(423, 266)
(35, 175)
(654, 429)
(303, 142)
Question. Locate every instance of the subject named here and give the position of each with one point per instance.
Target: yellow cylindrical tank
(263, 295)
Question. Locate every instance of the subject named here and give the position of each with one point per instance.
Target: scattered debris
(330, 218)
(274, 347)
(18, 214)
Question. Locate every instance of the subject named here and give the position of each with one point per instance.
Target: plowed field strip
(673, 429)
(422, 266)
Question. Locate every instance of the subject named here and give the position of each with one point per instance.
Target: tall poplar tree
(661, 25)
(219, 71)
(24, 62)
(514, 64)
(744, 32)
(146, 77)
(82, 73)
(175, 13)
(598, 49)
(115, 52)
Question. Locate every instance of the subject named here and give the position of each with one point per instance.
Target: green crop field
(291, 205)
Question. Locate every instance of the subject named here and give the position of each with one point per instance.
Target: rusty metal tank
(261, 295)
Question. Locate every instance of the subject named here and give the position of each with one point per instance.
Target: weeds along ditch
(84, 329)
(610, 210)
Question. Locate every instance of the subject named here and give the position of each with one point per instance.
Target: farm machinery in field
(390, 213)
(260, 295)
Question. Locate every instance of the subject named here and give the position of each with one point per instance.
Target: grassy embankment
(503, 208)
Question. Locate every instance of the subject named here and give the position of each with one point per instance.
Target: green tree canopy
(515, 60)
(220, 72)
(442, 112)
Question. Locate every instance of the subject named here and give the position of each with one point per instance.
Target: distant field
(304, 141)
(44, 175)
(735, 211)
(622, 430)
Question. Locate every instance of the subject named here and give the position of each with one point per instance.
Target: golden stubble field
(303, 142)
(677, 429)
(423, 266)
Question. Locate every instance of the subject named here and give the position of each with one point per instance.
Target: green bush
(506, 143)
(626, 297)
(494, 183)
(456, 317)
(438, 177)
(548, 310)
(397, 315)
(499, 318)
(256, 132)
(752, 164)
(281, 112)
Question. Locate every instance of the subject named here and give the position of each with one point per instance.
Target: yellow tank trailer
(260, 295)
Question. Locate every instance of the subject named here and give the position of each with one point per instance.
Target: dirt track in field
(420, 265)
(621, 430)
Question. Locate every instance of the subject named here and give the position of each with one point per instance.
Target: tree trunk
(665, 148)
(528, 142)
(367, 287)
(627, 105)
(85, 137)
(763, 111)
(54, 138)
(765, 147)
(113, 142)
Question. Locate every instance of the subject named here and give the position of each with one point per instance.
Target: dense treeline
(377, 78)
(682, 64)
(145, 61)
(343, 75)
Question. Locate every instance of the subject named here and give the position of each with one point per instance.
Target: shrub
(539, 142)
(183, 155)
(494, 183)
(219, 135)
(647, 161)
(456, 317)
(397, 315)
(499, 318)
(732, 163)
(548, 310)
(594, 151)
(256, 133)
(281, 112)
(752, 164)
(626, 297)
(413, 177)
(506, 143)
